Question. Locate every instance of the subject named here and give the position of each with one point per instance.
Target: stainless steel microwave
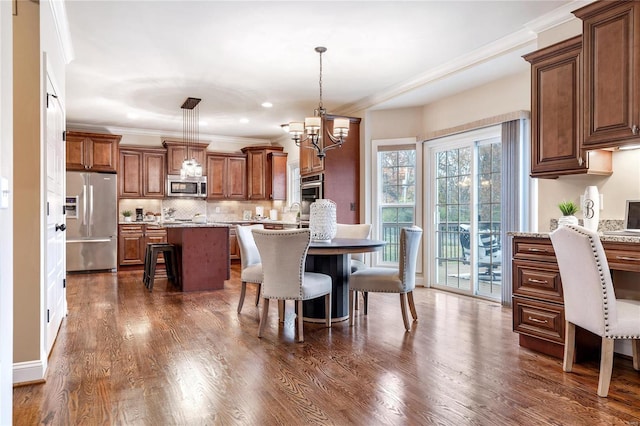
(187, 187)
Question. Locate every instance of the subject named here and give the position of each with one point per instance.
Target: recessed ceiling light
(244, 120)
(267, 104)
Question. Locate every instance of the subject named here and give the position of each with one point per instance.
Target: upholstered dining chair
(283, 254)
(354, 231)
(400, 280)
(590, 301)
(250, 265)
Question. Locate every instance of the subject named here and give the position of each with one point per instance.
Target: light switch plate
(4, 193)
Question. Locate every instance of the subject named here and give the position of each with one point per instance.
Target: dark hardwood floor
(125, 356)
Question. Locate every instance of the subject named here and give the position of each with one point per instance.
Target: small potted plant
(127, 215)
(568, 209)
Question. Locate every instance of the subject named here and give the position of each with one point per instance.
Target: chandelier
(312, 126)
(190, 136)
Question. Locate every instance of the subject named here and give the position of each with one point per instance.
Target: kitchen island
(203, 254)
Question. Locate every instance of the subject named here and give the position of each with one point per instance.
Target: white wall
(6, 215)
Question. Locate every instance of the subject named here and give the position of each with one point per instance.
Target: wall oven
(192, 187)
(311, 189)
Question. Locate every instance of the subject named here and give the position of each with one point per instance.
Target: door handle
(61, 227)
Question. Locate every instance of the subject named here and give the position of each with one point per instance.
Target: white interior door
(55, 295)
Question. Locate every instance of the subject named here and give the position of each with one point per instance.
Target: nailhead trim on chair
(602, 284)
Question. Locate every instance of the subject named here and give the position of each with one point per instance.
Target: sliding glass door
(466, 177)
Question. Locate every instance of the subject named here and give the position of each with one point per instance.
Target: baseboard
(26, 372)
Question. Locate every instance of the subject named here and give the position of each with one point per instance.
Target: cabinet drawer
(533, 249)
(537, 279)
(539, 319)
(132, 229)
(622, 257)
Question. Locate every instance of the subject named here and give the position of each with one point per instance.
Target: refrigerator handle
(91, 207)
(84, 204)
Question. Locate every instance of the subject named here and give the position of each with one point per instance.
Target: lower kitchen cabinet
(133, 240)
(234, 248)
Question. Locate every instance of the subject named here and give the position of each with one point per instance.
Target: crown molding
(167, 134)
(521, 38)
(61, 23)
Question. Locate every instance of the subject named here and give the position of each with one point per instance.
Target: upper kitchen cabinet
(310, 163)
(94, 152)
(227, 176)
(556, 114)
(342, 172)
(611, 70)
(266, 173)
(178, 151)
(141, 172)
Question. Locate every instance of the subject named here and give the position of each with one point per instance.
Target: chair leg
(281, 310)
(606, 366)
(258, 293)
(412, 306)
(365, 295)
(635, 346)
(243, 291)
(403, 308)
(263, 317)
(300, 322)
(569, 346)
(351, 307)
(355, 297)
(327, 309)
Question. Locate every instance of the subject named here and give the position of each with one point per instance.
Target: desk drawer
(538, 280)
(533, 249)
(622, 257)
(538, 319)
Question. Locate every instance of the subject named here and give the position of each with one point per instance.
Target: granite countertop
(178, 223)
(603, 237)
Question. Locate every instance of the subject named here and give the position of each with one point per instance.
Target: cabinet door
(153, 175)
(611, 73)
(130, 174)
(103, 153)
(309, 161)
(131, 245)
(556, 119)
(216, 182)
(236, 178)
(76, 150)
(234, 249)
(257, 168)
(176, 154)
(278, 167)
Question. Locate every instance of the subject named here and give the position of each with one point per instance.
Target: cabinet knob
(634, 129)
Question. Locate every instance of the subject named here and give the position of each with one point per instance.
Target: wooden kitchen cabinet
(310, 163)
(611, 69)
(93, 152)
(556, 114)
(227, 176)
(141, 172)
(266, 173)
(177, 152)
(234, 248)
(133, 240)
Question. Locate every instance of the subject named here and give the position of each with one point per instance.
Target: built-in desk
(538, 304)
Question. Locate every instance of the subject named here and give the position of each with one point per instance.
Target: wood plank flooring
(126, 356)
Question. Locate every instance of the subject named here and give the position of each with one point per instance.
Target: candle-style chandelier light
(190, 136)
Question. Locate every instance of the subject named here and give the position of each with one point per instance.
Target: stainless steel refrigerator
(91, 207)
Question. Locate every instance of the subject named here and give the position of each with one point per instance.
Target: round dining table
(332, 258)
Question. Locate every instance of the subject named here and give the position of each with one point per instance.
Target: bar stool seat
(151, 259)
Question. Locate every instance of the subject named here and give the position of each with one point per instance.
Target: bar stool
(151, 259)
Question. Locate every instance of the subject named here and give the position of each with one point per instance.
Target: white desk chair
(283, 254)
(590, 301)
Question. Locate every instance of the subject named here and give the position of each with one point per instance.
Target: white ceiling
(135, 62)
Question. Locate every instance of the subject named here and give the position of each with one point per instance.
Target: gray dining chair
(360, 231)
(250, 264)
(590, 301)
(283, 254)
(400, 280)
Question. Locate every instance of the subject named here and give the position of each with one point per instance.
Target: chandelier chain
(321, 108)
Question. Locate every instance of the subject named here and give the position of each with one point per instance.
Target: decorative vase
(127, 218)
(591, 208)
(567, 220)
(322, 220)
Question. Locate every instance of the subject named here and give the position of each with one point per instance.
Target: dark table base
(338, 268)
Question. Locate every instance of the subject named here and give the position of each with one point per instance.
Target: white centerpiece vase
(591, 208)
(322, 220)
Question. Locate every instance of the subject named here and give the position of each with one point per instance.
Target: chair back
(354, 231)
(409, 246)
(589, 298)
(283, 254)
(249, 254)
